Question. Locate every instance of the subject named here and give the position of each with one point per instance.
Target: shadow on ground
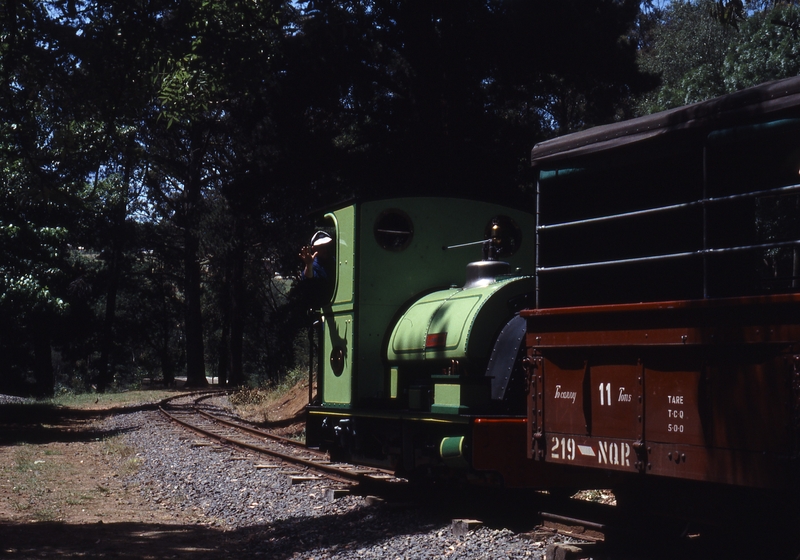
(347, 535)
(279, 540)
(45, 423)
(112, 540)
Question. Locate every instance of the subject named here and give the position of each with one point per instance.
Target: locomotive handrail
(701, 202)
(469, 244)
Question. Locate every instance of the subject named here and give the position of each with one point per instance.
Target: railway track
(214, 424)
(589, 523)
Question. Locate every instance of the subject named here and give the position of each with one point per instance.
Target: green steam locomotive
(422, 340)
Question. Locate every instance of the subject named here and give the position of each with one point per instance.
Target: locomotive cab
(425, 288)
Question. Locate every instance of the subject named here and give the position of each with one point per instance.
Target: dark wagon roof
(743, 107)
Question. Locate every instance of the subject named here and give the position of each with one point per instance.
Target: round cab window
(393, 230)
(505, 235)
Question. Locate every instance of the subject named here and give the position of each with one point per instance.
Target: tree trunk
(104, 376)
(236, 311)
(43, 361)
(195, 359)
(118, 213)
(224, 358)
(165, 352)
(195, 351)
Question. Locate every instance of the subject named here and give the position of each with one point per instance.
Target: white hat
(320, 238)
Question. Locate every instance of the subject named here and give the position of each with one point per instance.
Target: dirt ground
(284, 414)
(62, 491)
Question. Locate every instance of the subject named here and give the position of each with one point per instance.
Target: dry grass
(599, 496)
(107, 400)
(124, 455)
(32, 477)
(273, 402)
(43, 481)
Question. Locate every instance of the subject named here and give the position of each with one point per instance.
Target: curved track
(186, 411)
(580, 520)
(612, 531)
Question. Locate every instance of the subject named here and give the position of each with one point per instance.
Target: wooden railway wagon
(665, 339)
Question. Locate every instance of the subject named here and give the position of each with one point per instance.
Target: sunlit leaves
(27, 271)
(185, 89)
(699, 57)
(727, 12)
(768, 48)
(688, 52)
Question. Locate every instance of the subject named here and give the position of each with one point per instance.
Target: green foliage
(159, 159)
(438, 97)
(25, 282)
(768, 48)
(699, 54)
(184, 89)
(688, 52)
(729, 12)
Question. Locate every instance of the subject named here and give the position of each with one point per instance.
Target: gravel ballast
(9, 399)
(273, 518)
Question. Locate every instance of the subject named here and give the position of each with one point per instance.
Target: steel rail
(250, 429)
(336, 473)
